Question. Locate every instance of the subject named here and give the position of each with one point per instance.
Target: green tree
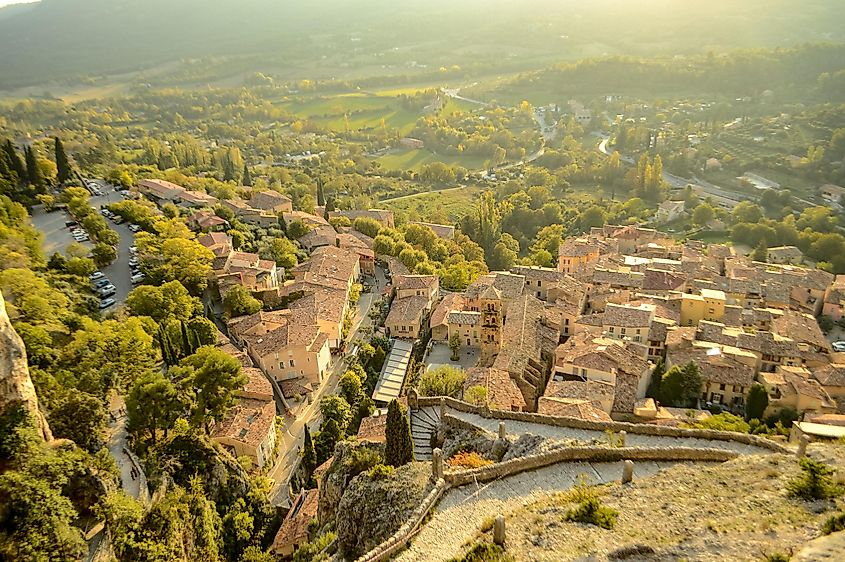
(296, 229)
(761, 252)
(64, 173)
(247, 177)
(368, 226)
(239, 302)
(591, 217)
(681, 386)
(80, 417)
(15, 164)
(169, 301)
(703, 214)
(455, 346)
(152, 405)
(756, 402)
(815, 483)
(309, 455)
(213, 376)
(653, 390)
(334, 407)
(350, 387)
(36, 520)
(103, 254)
(443, 381)
(399, 447)
(325, 441)
(33, 170)
(281, 250)
(476, 395)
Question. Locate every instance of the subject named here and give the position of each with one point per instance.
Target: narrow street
(294, 430)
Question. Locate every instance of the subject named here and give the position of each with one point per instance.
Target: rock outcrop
(15, 383)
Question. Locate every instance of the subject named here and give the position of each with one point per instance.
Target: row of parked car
(104, 288)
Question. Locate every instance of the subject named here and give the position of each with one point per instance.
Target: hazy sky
(7, 2)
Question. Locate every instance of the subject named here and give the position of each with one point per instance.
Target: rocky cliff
(15, 383)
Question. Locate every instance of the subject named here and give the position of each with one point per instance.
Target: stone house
(628, 322)
(709, 304)
(726, 379)
(382, 216)
(465, 325)
(294, 530)
(785, 255)
(406, 317)
(538, 280)
(793, 388)
(669, 211)
(834, 299)
(575, 254)
(426, 286)
(248, 430)
(206, 221)
(832, 379)
(561, 396)
(271, 201)
(453, 302)
(284, 344)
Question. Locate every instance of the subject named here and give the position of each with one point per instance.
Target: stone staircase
(424, 422)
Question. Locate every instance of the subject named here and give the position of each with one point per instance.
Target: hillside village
(581, 341)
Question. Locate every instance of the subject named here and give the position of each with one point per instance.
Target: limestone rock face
(15, 383)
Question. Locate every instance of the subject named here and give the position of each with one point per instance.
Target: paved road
(294, 434)
(57, 236)
(132, 477)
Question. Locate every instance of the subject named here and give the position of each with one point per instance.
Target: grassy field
(410, 159)
(455, 203)
(355, 111)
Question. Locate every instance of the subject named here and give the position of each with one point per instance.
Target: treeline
(736, 73)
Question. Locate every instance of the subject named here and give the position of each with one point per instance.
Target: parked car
(133, 250)
(102, 282)
(96, 275)
(134, 228)
(105, 303)
(107, 291)
(137, 279)
(133, 262)
(838, 346)
(118, 220)
(71, 224)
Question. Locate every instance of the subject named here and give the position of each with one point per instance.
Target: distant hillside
(57, 40)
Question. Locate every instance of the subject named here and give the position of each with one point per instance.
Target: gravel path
(517, 428)
(460, 513)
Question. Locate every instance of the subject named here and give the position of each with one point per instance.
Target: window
(292, 363)
(539, 283)
(610, 329)
(623, 330)
(721, 387)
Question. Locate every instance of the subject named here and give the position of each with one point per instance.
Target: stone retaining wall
(586, 454)
(632, 428)
(400, 538)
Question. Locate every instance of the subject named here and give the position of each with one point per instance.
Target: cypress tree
(5, 169)
(63, 174)
(247, 179)
(14, 160)
(309, 455)
(186, 344)
(399, 448)
(321, 199)
(33, 172)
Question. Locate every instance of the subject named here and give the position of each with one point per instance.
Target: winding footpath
(461, 512)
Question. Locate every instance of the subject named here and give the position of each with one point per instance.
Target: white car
(107, 291)
(838, 346)
(137, 279)
(134, 228)
(96, 275)
(105, 303)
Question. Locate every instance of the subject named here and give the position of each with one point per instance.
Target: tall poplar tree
(14, 160)
(33, 172)
(247, 179)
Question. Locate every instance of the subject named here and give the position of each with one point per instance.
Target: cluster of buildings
(584, 339)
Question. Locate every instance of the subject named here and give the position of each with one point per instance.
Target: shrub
(468, 459)
(589, 509)
(476, 395)
(443, 381)
(360, 459)
(834, 524)
(485, 552)
(777, 557)
(723, 422)
(815, 482)
(381, 471)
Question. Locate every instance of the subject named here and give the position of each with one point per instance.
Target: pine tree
(186, 344)
(247, 179)
(399, 448)
(14, 160)
(761, 252)
(228, 169)
(309, 455)
(33, 172)
(63, 172)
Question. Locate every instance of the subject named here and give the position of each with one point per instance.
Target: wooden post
(622, 435)
(502, 432)
(499, 530)
(802, 446)
(437, 464)
(628, 472)
(442, 407)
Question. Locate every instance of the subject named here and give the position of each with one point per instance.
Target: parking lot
(57, 237)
